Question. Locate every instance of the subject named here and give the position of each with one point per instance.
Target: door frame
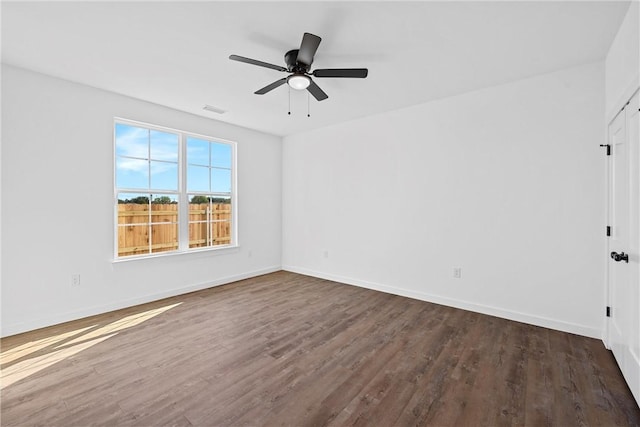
(606, 332)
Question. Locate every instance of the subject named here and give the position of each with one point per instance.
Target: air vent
(214, 109)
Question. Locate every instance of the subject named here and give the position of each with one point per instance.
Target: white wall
(623, 63)
(505, 182)
(57, 218)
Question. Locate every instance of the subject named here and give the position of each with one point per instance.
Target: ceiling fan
(298, 63)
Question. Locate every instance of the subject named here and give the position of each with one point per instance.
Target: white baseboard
(12, 329)
(465, 305)
(17, 328)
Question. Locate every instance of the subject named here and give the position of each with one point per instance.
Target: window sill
(204, 251)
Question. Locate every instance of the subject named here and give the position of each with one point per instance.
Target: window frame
(181, 193)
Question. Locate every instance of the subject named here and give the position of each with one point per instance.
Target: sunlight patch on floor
(60, 349)
(30, 366)
(33, 346)
(124, 323)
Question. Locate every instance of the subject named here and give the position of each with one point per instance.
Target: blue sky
(142, 151)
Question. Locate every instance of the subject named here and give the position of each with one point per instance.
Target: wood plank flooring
(286, 349)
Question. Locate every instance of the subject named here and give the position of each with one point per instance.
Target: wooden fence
(141, 231)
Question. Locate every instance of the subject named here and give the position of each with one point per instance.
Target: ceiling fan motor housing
(291, 59)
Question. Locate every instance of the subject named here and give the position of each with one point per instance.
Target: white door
(624, 260)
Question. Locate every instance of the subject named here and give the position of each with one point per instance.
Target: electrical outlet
(326, 254)
(250, 253)
(75, 280)
(457, 272)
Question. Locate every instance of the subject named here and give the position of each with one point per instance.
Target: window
(174, 190)
(209, 188)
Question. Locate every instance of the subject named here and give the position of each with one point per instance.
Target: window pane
(132, 141)
(164, 146)
(197, 178)
(197, 151)
(132, 173)
(198, 234)
(164, 208)
(164, 237)
(209, 222)
(221, 209)
(133, 208)
(221, 155)
(164, 176)
(199, 215)
(221, 221)
(198, 208)
(133, 240)
(221, 180)
(221, 232)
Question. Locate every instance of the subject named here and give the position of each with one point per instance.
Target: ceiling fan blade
(271, 86)
(308, 48)
(256, 62)
(356, 73)
(317, 93)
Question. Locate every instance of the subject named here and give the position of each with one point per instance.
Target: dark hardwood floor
(286, 349)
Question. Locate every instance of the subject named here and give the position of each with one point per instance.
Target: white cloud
(134, 142)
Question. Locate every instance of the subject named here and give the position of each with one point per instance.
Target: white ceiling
(176, 53)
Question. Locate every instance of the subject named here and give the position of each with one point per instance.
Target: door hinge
(608, 230)
(608, 311)
(608, 148)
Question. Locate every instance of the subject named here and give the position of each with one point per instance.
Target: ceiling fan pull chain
(308, 106)
(289, 101)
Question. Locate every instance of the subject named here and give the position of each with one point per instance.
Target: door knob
(620, 257)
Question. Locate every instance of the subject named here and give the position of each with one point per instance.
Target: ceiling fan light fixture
(298, 81)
